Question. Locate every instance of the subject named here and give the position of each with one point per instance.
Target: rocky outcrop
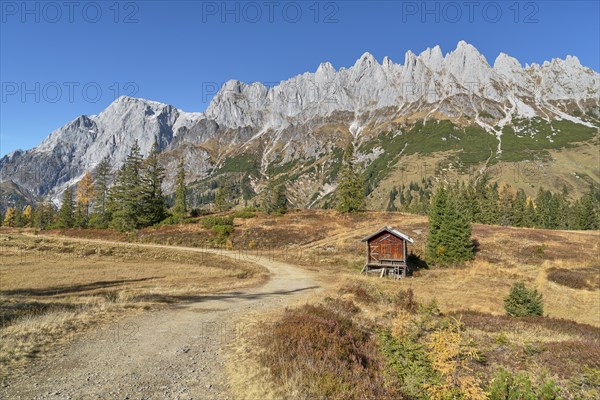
(310, 114)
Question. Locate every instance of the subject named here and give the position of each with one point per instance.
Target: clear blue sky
(174, 52)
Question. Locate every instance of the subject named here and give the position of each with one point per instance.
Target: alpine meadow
(418, 229)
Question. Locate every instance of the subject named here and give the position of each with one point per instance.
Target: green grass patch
(472, 145)
(242, 163)
(277, 168)
(211, 221)
(530, 139)
(244, 214)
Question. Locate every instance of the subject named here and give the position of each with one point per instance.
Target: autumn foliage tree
(27, 216)
(9, 217)
(84, 196)
(101, 216)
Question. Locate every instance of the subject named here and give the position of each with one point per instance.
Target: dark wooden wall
(385, 246)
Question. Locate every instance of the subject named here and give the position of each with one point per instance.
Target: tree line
(478, 201)
(131, 199)
(488, 203)
(134, 199)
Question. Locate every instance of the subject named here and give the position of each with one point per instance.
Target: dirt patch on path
(176, 353)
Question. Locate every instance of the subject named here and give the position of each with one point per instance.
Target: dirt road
(174, 353)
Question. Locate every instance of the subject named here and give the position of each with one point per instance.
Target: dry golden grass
(249, 379)
(327, 242)
(52, 289)
(546, 348)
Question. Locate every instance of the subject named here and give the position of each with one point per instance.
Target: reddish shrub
(583, 278)
(326, 354)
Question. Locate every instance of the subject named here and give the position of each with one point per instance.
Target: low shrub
(197, 212)
(509, 386)
(212, 221)
(449, 352)
(171, 220)
(584, 278)
(244, 214)
(222, 232)
(325, 354)
(408, 364)
(523, 302)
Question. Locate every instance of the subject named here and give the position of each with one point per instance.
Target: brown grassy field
(563, 347)
(53, 289)
(368, 338)
(370, 327)
(563, 265)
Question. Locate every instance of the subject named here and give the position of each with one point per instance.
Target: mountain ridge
(307, 116)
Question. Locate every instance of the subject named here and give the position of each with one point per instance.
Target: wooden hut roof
(391, 230)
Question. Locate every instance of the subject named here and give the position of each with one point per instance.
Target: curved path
(173, 353)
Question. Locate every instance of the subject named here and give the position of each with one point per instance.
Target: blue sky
(59, 61)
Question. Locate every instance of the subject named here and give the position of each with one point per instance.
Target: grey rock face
(310, 114)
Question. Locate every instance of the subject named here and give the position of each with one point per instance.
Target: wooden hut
(387, 253)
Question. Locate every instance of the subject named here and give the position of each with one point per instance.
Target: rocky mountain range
(431, 104)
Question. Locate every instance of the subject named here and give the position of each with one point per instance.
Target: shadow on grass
(415, 263)
(476, 246)
(169, 299)
(57, 290)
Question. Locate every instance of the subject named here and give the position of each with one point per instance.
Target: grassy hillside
(528, 154)
(440, 332)
(325, 241)
(54, 289)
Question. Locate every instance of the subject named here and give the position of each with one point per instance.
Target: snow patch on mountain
(459, 85)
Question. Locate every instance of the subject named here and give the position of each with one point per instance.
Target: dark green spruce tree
(506, 206)
(180, 207)
(350, 191)
(19, 223)
(530, 214)
(586, 214)
(437, 211)
(392, 201)
(457, 232)
(275, 200)
(543, 211)
(44, 215)
(449, 238)
(463, 200)
(66, 213)
(490, 205)
(153, 207)
(125, 194)
(519, 209)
